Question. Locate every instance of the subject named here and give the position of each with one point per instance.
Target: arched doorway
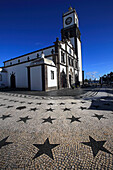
(63, 79)
(12, 80)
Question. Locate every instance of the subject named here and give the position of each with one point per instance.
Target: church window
(69, 60)
(70, 50)
(52, 75)
(0, 77)
(62, 57)
(72, 62)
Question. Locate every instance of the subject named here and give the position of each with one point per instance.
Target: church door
(70, 79)
(12, 79)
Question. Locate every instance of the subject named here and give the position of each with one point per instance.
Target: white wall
(21, 76)
(36, 78)
(52, 83)
(80, 60)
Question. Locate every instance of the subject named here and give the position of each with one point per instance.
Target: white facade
(52, 82)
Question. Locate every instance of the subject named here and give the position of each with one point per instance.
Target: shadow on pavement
(104, 103)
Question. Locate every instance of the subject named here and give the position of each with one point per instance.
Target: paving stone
(86, 143)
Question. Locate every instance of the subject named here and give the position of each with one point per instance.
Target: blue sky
(28, 25)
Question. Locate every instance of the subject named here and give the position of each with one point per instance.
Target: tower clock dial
(68, 21)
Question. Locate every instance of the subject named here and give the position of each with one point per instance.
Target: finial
(42, 54)
(70, 8)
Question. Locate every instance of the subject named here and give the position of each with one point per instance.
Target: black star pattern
(24, 119)
(39, 103)
(21, 107)
(73, 102)
(83, 102)
(2, 105)
(22, 102)
(82, 108)
(50, 103)
(15, 101)
(67, 109)
(4, 143)
(96, 146)
(99, 116)
(5, 116)
(33, 109)
(50, 109)
(11, 100)
(9, 106)
(29, 102)
(45, 148)
(48, 120)
(74, 119)
(62, 103)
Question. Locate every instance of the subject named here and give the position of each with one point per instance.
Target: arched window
(0, 77)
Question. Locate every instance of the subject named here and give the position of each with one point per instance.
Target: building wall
(21, 76)
(36, 78)
(52, 83)
(3, 79)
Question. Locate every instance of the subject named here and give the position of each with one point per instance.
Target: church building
(54, 67)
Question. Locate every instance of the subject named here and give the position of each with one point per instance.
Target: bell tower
(71, 31)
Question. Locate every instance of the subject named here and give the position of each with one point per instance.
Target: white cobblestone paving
(71, 153)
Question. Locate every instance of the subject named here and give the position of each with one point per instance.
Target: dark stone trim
(68, 53)
(46, 78)
(29, 78)
(67, 70)
(43, 77)
(57, 46)
(62, 64)
(20, 63)
(52, 88)
(29, 53)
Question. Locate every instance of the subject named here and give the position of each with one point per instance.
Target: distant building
(55, 67)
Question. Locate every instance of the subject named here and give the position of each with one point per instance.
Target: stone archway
(12, 81)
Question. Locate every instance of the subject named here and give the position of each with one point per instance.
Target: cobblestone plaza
(39, 132)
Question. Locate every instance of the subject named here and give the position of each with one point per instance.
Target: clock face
(68, 21)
